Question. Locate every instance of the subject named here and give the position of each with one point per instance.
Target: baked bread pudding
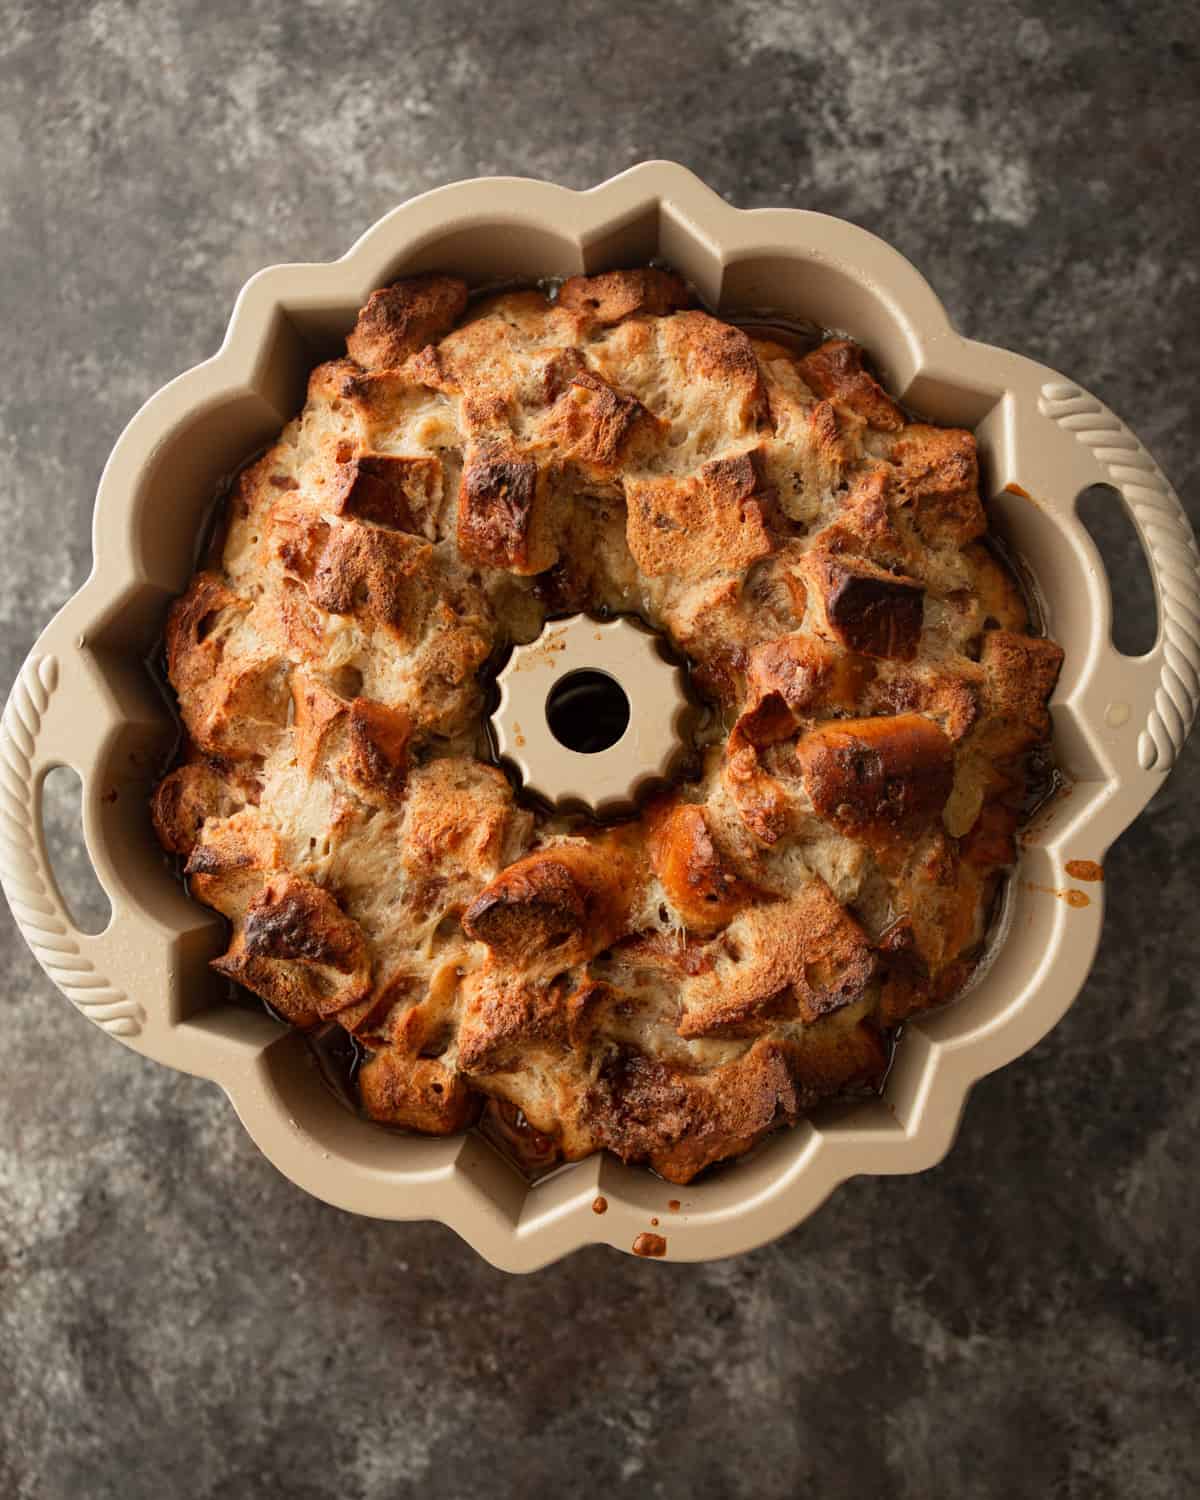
(674, 986)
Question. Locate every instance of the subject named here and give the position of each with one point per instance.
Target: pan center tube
(591, 714)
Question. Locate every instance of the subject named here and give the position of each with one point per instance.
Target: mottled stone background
(178, 1321)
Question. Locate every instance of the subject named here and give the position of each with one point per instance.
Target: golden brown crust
(700, 882)
(867, 609)
(939, 477)
(419, 1093)
(880, 780)
(717, 354)
(614, 295)
(869, 522)
(381, 577)
(786, 961)
(697, 527)
(232, 702)
(1020, 672)
(391, 489)
(761, 802)
(595, 425)
(497, 520)
(460, 829)
(509, 1020)
(562, 903)
(674, 988)
(808, 674)
(299, 951)
(994, 595)
(680, 1122)
(949, 694)
(317, 715)
(191, 794)
(835, 369)
(378, 756)
(402, 318)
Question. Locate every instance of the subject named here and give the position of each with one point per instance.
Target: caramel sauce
(337, 1057)
(674, 1205)
(1077, 899)
(1016, 489)
(1084, 869)
(650, 1245)
(533, 1154)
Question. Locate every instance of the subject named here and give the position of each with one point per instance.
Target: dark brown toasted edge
(367, 741)
(400, 319)
(377, 759)
(394, 490)
(835, 369)
(699, 880)
(880, 779)
(808, 674)
(297, 949)
(558, 905)
(937, 475)
(188, 796)
(679, 1123)
(496, 510)
(949, 693)
(868, 609)
(531, 1043)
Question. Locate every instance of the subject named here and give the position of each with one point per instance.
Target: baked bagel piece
(670, 989)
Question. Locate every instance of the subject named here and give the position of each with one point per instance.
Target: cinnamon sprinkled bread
(673, 988)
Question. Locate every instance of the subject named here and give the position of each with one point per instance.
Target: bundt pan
(85, 699)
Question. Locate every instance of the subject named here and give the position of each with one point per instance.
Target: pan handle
(54, 717)
(1084, 443)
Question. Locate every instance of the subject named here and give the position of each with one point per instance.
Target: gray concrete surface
(175, 1319)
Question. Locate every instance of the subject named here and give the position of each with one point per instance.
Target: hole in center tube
(62, 824)
(1134, 610)
(587, 711)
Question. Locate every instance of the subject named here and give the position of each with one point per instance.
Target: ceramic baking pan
(85, 699)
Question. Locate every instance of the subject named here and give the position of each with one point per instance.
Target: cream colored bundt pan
(85, 699)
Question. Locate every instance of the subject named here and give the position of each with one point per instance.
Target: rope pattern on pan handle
(1174, 560)
(36, 903)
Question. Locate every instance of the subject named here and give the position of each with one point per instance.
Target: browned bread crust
(675, 988)
(399, 320)
(614, 295)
